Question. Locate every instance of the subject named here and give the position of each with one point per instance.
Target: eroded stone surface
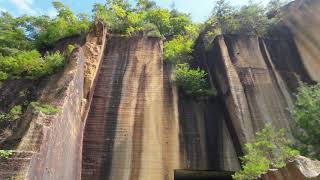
(138, 127)
(93, 50)
(131, 130)
(300, 168)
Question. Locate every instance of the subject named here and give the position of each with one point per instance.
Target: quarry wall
(121, 116)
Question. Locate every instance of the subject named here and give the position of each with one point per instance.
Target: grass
(5, 154)
(45, 108)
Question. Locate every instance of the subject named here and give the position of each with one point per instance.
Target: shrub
(69, 50)
(121, 17)
(271, 149)
(30, 65)
(160, 18)
(13, 114)
(4, 154)
(192, 81)
(251, 19)
(306, 113)
(3, 117)
(66, 24)
(178, 50)
(118, 19)
(3, 76)
(152, 30)
(52, 63)
(29, 32)
(45, 108)
(12, 35)
(179, 22)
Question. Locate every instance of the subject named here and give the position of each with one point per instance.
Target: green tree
(146, 5)
(30, 64)
(192, 81)
(116, 15)
(179, 22)
(12, 35)
(270, 149)
(306, 112)
(146, 16)
(161, 19)
(251, 19)
(274, 8)
(64, 25)
(178, 50)
(224, 14)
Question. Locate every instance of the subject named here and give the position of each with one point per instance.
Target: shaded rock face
(15, 92)
(132, 129)
(300, 168)
(256, 79)
(15, 167)
(205, 142)
(302, 23)
(247, 79)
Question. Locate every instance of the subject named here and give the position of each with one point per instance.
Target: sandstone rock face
(132, 129)
(205, 142)
(247, 77)
(93, 50)
(15, 167)
(55, 139)
(15, 92)
(138, 128)
(50, 145)
(256, 79)
(303, 23)
(122, 117)
(300, 168)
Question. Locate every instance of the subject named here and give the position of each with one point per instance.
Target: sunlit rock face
(300, 168)
(122, 117)
(138, 126)
(132, 128)
(49, 146)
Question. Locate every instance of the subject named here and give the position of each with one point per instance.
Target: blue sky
(199, 9)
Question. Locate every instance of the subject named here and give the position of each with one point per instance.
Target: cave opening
(202, 175)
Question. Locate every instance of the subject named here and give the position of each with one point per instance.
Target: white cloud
(25, 6)
(52, 13)
(2, 9)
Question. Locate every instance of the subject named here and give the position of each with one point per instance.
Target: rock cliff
(49, 146)
(121, 116)
(256, 79)
(300, 168)
(132, 129)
